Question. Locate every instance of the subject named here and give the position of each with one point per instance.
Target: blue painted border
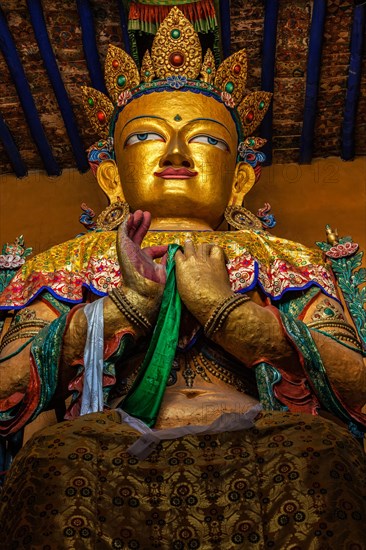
(312, 81)
(225, 27)
(354, 83)
(90, 45)
(12, 150)
(268, 71)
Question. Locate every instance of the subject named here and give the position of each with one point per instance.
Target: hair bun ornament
(176, 49)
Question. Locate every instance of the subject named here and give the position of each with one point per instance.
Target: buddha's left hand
(202, 278)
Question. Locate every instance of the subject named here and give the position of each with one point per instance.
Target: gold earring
(113, 216)
(241, 218)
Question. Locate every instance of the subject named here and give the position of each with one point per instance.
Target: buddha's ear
(109, 180)
(244, 179)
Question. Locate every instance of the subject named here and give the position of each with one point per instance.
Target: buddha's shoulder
(259, 244)
(85, 262)
(75, 253)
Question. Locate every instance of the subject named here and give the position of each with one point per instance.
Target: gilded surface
(208, 70)
(256, 103)
(120, 72)
(147, 71)
(96, 102)
(233, 70)
(186, 44)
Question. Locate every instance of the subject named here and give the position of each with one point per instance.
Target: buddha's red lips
(176, 174)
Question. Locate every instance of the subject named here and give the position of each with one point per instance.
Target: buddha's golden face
(176, 155)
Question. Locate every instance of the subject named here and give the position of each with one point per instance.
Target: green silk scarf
(144, 398)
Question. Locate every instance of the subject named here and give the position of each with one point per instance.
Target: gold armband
(339, 330)
(128, 309)
(221, 313)
(26, 329)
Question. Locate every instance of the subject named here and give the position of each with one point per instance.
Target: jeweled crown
(175, 61)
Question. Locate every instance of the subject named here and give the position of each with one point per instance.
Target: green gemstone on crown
(147, 73)
(261, 105)
(251, 142)
(91, 101)
(121, 80)
(229, 87)
(175, 33)
(209, 71)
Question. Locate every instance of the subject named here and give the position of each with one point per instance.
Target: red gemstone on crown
(115, 64)
(101, 117)
(236, 69)
(176, 59)
(249, 117)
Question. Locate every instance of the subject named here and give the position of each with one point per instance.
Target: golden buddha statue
(252, 370)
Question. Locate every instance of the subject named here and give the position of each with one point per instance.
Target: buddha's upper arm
(339, 346)
(16, 339)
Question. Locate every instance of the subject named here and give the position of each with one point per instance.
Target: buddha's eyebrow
(210, 120)
(141, 116)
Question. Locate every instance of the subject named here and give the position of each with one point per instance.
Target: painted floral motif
(254, 257)
(177, 81)
(342, 250)
(206, 491)
(10, 261)
(123, 98)
(228, 100)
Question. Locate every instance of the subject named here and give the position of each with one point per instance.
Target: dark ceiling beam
(312, 81)
(268, 71)
(225, 27)
(50, 63)
(12, 59)
(348, 148)
(90, 45)
(12, 150)
(123, 15)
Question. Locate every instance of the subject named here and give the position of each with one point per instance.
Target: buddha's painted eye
(221, 144)
(147, 136)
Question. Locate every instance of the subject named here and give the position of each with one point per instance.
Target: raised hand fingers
(143, 227)
(189, 249)
(133, 223)
(156, 251)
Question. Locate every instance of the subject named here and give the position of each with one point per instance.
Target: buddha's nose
(176, 154)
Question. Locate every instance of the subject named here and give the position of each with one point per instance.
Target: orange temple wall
(303, 198)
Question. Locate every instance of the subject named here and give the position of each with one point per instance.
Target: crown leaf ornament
(99, 109)
(231, 76)
(176, 49)
(208, 69)
(252, 110)
(175, 62)
(120, 72)
(147, 72)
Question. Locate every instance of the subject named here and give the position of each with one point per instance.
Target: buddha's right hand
(143, 278)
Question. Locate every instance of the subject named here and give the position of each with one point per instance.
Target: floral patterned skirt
(293, 481)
